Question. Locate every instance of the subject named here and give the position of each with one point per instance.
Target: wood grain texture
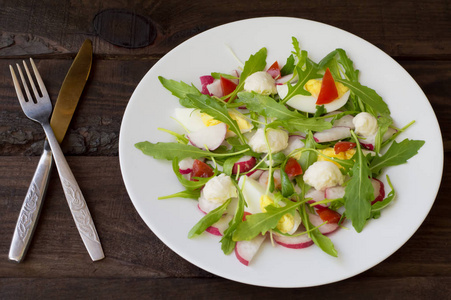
(400, 28)
(138, 265)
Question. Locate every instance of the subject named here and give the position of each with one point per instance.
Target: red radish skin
(332, 134)
(325, 229)
(246, 250)
(219, 227)
(379, 190)
(293, 242)
(204, 81)
(244, 164)
(186, 165)
(210, 137)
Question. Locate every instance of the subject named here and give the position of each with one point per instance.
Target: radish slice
(215, 88)
(316, 196)
(263, 180)
(284, 79)
(190, 118)
(293, 242)
(334, 192)
(246, 250)
(219, 227)
(210, 137)
(332, 134)
(294, 142)
(324, 229)
(204, 81)
(345, 121)
(370, 141)
(255, 174)
(186, 165)
(379, 190)
(244, 164)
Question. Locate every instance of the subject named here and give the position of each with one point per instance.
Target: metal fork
(40, 111)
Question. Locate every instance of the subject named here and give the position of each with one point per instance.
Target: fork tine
(30, 79)
(38, 78)
(25, 85)
(16, 85)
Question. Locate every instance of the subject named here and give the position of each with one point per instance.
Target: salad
(290, 154)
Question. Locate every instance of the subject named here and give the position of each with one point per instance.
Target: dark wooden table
(417, 34)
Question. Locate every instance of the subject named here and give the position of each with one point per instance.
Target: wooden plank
(133, 251)
(400, 28)
(199, 288)
(95, 127)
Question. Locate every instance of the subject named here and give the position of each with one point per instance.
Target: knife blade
(65, 106)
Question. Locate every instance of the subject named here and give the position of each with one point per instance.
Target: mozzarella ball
(261, 83)
(277, 140)
(219, 189)
(323, 174)
(365, 124)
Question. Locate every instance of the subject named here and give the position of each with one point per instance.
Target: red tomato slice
(328, 215)
(228, 86)
(201, 169)
(293, 168)
(343, 146)
(274, 70)
(328, 92)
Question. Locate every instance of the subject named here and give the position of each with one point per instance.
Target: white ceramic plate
(151, 106)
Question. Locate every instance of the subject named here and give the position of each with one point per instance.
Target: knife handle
(31, 207)
(75, 199)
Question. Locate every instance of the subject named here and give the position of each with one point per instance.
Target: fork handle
(31, 207)
(75, 199)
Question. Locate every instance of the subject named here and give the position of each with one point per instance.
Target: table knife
(66, 103)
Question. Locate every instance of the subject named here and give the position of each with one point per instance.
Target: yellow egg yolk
(314, 87)
(240, 119)
(286, 223)
(331, 153)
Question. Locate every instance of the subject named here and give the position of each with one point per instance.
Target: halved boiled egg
(308, 103)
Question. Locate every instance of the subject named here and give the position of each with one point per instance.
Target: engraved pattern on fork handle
(31, 207)
(80, 212)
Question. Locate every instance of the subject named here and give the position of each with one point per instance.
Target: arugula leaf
(320, 110)
(170, 151)
(267, 106)
(262, 222)
(179, 89)
(308, 157)
(227, 243)
(288, 68)
(194, 194)
(229, 163)
(255, 63)
(383, 123)
(298, 124)
(397, 154)
(310, 72)
(348, 65)
(209, 219)
(287, 185)
(217, 110)
(217, 75)
(322, 241)
(179, 137)
(367, 95)
(359, 191)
